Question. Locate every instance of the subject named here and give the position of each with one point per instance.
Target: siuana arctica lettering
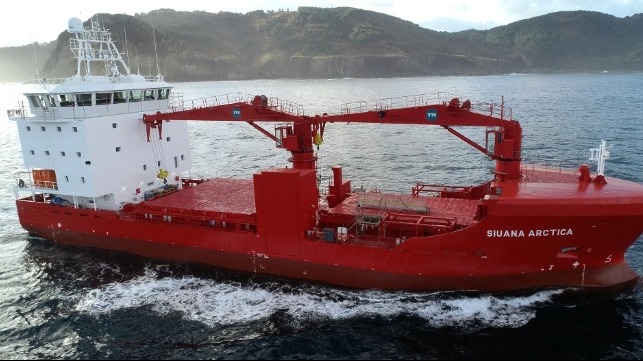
(530, 232)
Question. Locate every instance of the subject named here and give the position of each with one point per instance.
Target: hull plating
(537, 252)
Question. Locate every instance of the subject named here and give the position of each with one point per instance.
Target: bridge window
(42, 128)
(32, 152)
(114, 125)
(66, 100)
(118, 149)
(150, 94)
(164, 93)
(103, 98)
(135, 96)
(120, 97)
(78, 154)
(46, 152)
(52, 100)
(35, 101)
(62, 154)
(144, 166)
(28, 128)
(75, 129)
(84, 99)
(59, 129)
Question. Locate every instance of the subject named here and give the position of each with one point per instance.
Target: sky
(42, 20)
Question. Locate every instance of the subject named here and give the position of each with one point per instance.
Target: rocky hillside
(344, 42)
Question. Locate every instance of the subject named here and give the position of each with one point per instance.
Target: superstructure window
(118, 149)
(78, 154)
(32, 152)
(46, 152)
(34, 101)
(120, 97)
(150, 94)
(82, 179)
(88, 162)
(176, 162)
(144, 166)
(42, 128)
(59, 129)
(84, 99)
(135, 96)
(182, 157)
(103, 98)
(75, 129)
(168, 139)
(66, 100)
(67, 178)
(28, 128)
(62, 154)
(164, 93)
(52, 100)
(114, 125)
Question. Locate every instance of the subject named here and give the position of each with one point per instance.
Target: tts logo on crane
(236, 113)
(431, 114)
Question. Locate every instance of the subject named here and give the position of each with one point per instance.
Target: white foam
(225, 303)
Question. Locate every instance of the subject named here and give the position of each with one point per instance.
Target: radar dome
(75, 25)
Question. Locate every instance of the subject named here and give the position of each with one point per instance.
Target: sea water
(61, 302)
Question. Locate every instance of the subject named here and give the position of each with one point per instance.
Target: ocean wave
(215, 302)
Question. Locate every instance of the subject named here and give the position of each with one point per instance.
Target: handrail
(419, 100)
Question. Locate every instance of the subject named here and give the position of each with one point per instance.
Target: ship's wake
(214, 302)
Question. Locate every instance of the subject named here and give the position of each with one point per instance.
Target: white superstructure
(83, 138)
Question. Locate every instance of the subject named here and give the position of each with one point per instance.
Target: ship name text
(515, 233)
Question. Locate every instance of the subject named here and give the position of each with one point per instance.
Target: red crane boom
(503, 136)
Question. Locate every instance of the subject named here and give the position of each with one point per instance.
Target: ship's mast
(600, 155)
(95, 45)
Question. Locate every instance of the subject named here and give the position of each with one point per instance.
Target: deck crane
(503, 136)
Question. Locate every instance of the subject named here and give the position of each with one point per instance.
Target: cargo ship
(107, 160)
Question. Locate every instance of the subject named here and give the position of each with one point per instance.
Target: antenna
(138, 64)
(125, 37)
(53, 66)
(158, 71)
(35, 55)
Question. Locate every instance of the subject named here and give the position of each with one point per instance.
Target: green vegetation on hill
(344, 42)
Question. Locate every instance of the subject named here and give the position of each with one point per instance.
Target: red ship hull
(520, 244)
